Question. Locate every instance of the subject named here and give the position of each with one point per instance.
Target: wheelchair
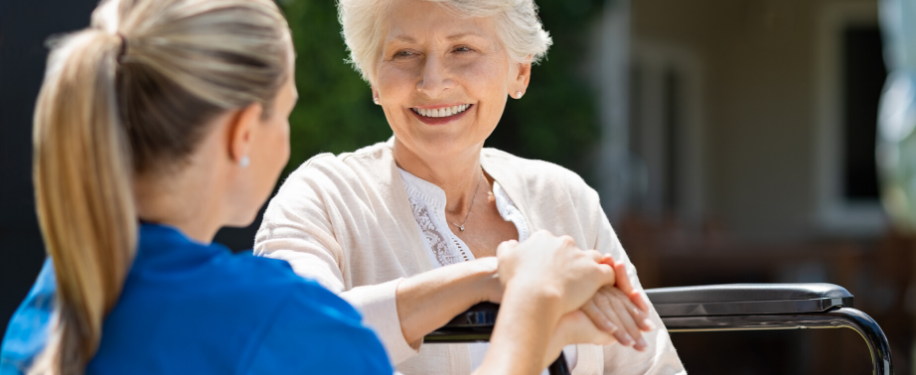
(727, 307)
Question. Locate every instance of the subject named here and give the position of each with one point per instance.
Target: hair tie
(123, 50)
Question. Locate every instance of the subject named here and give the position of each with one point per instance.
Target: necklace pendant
(461, 227)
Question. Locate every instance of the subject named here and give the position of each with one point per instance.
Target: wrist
(547, 300)
(486, 279)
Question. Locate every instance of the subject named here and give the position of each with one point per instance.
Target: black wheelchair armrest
(748, 299)
(743, 307)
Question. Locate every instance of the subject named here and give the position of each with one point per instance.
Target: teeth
(442, 112)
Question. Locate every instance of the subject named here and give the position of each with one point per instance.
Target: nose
(435, 79)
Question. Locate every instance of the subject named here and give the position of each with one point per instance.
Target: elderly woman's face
(443, 80)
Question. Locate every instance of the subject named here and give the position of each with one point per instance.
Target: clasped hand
(598, 302)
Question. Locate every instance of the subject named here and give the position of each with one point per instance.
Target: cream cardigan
(346, 222)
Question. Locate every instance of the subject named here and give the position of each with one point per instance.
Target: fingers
(608, 259)
(640, 317)
(605, 259)
(623, 280)
(603, 303)
(606, 273)
(628, 323)
(637, 299)
(598, 317)
(577, 328)
(623, 283)
(506, 246)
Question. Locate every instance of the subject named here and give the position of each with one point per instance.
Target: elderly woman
(406, 230)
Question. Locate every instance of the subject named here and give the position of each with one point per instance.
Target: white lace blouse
(427, 201)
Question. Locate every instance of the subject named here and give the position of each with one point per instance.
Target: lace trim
(444, 247)
(435, 241)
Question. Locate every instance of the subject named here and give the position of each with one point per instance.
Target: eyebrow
(461, 35)
(407, 39)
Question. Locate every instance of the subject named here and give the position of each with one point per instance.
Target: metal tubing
(843, 317)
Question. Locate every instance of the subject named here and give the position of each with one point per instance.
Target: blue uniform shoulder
(27, 331)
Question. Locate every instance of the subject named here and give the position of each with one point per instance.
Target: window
(665, 133)
(863, 79)
(850, 75)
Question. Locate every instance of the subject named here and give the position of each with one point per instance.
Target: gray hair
(517, 23)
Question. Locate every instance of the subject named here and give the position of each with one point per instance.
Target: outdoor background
(731, 141)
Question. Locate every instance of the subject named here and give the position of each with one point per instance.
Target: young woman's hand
(575, 328)
(544, 279)
(555, 267)
(620, 310)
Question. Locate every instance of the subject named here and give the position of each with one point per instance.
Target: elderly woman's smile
(441, 111)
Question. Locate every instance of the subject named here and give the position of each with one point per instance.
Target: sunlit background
(731, 141)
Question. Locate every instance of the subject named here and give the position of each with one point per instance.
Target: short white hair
(517, 24)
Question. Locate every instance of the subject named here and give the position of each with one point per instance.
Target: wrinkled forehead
(416, 21)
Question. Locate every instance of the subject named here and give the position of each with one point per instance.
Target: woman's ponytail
(82, 171)
(133, 96)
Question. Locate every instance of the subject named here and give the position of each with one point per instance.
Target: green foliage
(555, 121)
(335, 112)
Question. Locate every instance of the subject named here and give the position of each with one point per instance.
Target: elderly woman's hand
(621, 310)
(554, 267)
(491, 289)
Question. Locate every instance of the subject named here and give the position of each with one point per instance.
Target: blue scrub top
(197, 309)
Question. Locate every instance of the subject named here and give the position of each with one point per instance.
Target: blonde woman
(406, 230)
(174, 113)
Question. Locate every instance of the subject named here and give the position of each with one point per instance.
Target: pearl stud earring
(245, 161)
(375, 100)
(518, 95)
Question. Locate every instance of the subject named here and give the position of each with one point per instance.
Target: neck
(457, 175)
(184, 200)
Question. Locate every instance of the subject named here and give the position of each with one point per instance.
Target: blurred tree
(335, 112)
(555, 121)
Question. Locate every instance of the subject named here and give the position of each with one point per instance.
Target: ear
(375, 95)
(241, 131)
(521, 79)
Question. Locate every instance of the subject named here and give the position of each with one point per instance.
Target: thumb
(506, 246)
(606, 274)
(597, 256)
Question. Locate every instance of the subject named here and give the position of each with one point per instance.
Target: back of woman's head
(132, 95)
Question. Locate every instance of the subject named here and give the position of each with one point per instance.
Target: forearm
(522, 333)
(429, 300)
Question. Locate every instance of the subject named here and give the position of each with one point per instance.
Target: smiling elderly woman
(406, 230)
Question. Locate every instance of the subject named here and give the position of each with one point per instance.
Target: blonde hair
(517, 23)
(131, 95)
